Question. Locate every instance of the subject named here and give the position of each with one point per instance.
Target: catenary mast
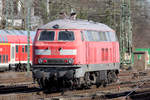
(125, 32)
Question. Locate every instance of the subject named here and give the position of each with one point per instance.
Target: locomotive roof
(76, 24)
(15, 35)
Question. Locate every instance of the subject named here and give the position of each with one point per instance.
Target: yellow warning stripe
(4, 43)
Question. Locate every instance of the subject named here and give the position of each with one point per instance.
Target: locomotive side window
(103, 36)
(66, 36)
(113, 36)
(16, 48)
(88, 36)
(47, 36)
(108, 36)
(96, 36)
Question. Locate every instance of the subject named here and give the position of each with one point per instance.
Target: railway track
(132, 81)
(12, 78)
(127, 85)
(19, 88)
(103, 90)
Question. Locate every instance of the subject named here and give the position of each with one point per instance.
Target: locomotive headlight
(40, 61)
(70, 61)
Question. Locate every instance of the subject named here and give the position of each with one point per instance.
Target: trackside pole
(28, 4)
(28, 46)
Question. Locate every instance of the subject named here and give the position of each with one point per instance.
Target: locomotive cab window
(47, 36)
(66, 36)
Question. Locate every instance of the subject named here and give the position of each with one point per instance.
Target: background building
(15, 12)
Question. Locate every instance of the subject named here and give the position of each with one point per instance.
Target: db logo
(54, 52)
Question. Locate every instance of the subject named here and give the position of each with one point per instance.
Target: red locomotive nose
(44, 61)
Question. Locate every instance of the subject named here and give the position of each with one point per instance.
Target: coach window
(16, 48)
(66, 36)
(23, 48)
(6, 58)
(3, 58)
(47, 36)
(26, 48)
(0, 59)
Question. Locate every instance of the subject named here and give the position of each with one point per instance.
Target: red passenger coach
(13, 50)
(75, 53)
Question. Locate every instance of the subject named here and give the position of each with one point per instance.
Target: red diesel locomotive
(13, 50)
(75, 53)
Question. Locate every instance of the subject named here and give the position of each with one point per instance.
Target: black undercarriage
(60, 78)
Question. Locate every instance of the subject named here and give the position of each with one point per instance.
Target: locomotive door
(12, 53)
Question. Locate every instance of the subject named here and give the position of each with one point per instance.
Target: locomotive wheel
(98, 81)
(87, 80)
(41, 83)
(112, 77)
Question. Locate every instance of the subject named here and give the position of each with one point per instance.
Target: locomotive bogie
(74, 77)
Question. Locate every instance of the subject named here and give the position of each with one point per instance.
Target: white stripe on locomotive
(42, 52)
(68, 52)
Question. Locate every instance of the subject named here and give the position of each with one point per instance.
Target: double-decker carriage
(13, 49)
(75, 53)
